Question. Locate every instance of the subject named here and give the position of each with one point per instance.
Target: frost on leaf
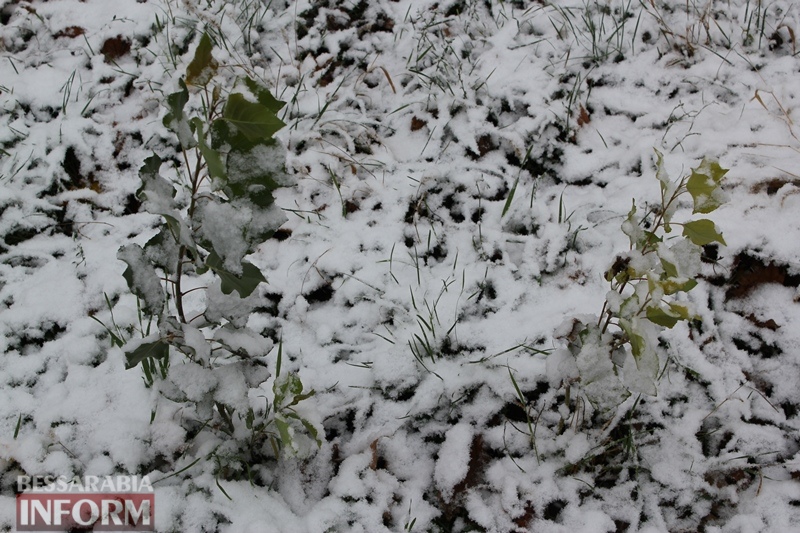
(704, 186)
(264, 164)
(263, 95)
(632, 228)
(176, 120)
(155, 192)
(233, 229)
(640, 371)
(682, 257)
(194, 344)
(232, 386)
(224, 231)
(244, 283)
(255, 121)
(640, 376)
(152, 346)
(256, 172)
(231, 307)
(142, 278)
(193, 380)
(243, 341)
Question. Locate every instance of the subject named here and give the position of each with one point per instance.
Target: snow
(423, 112)
(453, 461)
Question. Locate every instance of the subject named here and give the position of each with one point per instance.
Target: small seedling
(213, 214)
(617, 353)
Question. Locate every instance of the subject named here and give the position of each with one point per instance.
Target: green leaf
(180, 232)
(630, 227)
(257, 193)
(703, 184)
(659, 316)
(142, 279)
(260, 195)
(702, 232)
(150, 167)
(510, 198)
(632, 212)
(651, 238)
(312, 431)
(115, 339)
(174, 226)
(255, 121)
(681, 310)
(251, 171)
(155, 190)
(300, 397)
(637, 342)
(661, 174)
(176, 120)
(216, 169)
(203, 65)
(162, 250)
(283, 430)
(295, 385)
(263, 95)
(671, 286)
(669, 269)
(637, 345)
(175, 104)
(224, 136)
(245, 284)
(156, 350)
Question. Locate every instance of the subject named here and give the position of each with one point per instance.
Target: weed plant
(213, 214)
(610, 355)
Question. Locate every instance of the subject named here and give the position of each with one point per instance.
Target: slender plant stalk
(195, 181)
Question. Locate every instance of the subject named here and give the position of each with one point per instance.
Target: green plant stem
(645, 304)
(178, 292)
(195, 183)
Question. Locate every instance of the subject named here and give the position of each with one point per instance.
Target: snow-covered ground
(409, 124)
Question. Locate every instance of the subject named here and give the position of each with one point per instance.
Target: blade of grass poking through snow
(184, 469)
(328, 102)
(115, 340)
(216, 480)
(338, 187)
(523, 403)
(66, 89)
(19, 425)
(563, 218)
(510, 198)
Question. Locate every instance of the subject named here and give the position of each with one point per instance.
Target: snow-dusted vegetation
(469, 265)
